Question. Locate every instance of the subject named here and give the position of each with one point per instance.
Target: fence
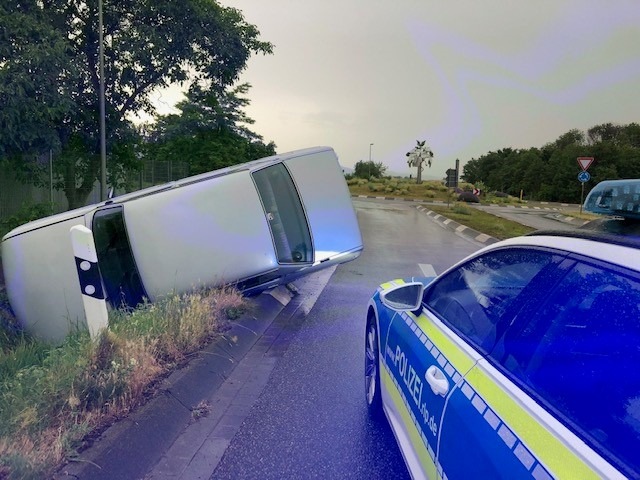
(14, 194)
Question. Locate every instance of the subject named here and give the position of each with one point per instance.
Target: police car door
(472, 306)
(417, 361)
(558, 390)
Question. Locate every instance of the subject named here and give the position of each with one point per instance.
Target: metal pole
(370, 145)
(51, 178)
(103, 135)
(582, 198)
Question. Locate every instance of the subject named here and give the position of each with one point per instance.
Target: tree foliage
(550, 172)
(420, 154)
(49, 75)
(210, 132)
(369, 169)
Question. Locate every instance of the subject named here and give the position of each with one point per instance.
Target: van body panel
(327, 201)
(208, 233)
(42, 282)
(50, 221)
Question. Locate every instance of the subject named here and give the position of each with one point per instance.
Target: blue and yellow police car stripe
(532, 444)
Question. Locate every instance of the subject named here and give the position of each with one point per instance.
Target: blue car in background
(521, 361)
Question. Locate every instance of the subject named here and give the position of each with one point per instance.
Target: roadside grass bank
(53, 398)
(428, 190)
(399, 187)
(497, 227)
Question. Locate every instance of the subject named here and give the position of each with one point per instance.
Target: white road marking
(427, 269)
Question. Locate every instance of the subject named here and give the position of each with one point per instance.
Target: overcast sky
(467, 76)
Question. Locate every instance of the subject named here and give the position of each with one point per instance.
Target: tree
(49, 75)
(550, 172)
(210, 132)
(369, 169)
(421, 153)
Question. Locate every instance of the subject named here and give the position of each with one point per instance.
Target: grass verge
(52, 397)
(497, 227)
(428, 190)
(400, 188)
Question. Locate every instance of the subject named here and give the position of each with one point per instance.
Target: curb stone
(418, 200)
(459, 228)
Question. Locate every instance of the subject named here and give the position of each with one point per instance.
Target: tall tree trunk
(77, 195)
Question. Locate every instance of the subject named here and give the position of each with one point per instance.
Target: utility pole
(103, 134)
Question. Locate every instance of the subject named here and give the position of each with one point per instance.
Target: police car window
(576, 353)
(475, 297)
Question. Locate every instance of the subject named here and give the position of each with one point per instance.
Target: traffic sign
(585, 162)
(584, 176)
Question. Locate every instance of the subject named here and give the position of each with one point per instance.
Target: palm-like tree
(418, 155)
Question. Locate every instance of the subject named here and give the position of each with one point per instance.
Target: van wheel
(372, 369)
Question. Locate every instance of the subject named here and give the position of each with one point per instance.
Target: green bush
(28, 212)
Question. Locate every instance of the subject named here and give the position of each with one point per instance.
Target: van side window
(118, 269)
(576, 353)
(285, 214)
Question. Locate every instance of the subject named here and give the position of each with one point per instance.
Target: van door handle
(437, 381)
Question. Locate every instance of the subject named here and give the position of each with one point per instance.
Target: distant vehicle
(521, 361)
(255, 225)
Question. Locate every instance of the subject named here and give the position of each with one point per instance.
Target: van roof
(80, 212)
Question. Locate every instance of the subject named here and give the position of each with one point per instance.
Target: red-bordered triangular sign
(585, 162)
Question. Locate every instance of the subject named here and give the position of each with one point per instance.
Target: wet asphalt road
(310, 420)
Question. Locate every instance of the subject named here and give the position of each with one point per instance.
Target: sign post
(584, 176)
(95, 306)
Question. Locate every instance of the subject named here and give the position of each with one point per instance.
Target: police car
(521, 361)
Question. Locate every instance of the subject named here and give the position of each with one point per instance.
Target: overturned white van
(254, 225)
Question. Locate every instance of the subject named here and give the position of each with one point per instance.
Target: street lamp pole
(370, 145)
(103, 135)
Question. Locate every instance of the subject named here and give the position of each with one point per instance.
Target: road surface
(310, 421)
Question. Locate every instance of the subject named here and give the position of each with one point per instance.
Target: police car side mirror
(406, 297)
